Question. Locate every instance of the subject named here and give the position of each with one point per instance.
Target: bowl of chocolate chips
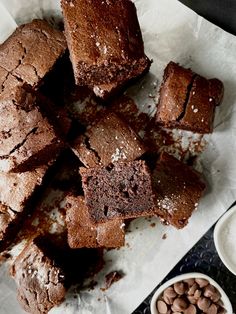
(190, 293)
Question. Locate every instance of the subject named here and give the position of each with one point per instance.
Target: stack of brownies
(119, 181)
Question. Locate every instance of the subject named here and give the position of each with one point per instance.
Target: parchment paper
(171, 32)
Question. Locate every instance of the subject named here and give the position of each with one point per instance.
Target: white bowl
(226, 302)
(220, 244)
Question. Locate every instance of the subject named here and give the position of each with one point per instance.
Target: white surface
(226, 302)
(7, 24)
(225, 239)
(171, 32)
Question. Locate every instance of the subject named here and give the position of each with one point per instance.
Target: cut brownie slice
(31, 51)
(83, 233)
(123, 190)
(104, 40)
(27, 139)
(40, 281)
(108, 141)
(18, 194)
(188, 100)
(178, 190)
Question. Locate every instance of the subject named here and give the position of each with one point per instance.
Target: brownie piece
(83, 233)
(123, 190)
(18, 194)
(108, 141)
(178, 190)
(27, 139)
(40, 281)
(104, 40)
(187, 100)
(31, 51)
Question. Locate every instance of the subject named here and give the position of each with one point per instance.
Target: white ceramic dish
(220, 244)
(224, 297)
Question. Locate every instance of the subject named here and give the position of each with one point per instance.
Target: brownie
(123, 190)
(83, 233)
(187, 100)
(27, 138)
(40, 281)
(178, 190)
(18, 194)
(31, 51)
(108, 141)
(104, 40)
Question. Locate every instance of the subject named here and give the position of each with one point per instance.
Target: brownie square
(40, 281)
(178, 190)
(123, 190)
(27, 139)
(18, 194)
(83, 233)
(110, 140)
(104, 40)
(31, 51)
(187, 100)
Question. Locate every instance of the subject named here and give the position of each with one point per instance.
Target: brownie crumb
(112, 277)
(164, 236)
(152, 224)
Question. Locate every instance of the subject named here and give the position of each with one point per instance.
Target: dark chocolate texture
(123, 190)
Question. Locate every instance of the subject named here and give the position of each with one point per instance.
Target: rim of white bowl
(226, 302)
(218, 244)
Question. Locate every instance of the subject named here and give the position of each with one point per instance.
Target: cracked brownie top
(31, 51)
(40, 281)
(26, 136)
(188, 100)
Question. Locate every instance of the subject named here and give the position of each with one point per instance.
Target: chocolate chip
(191, 299)
(197, 294)
(202, 282)
(211, 292)
(192, 289)
(162, 307)
(191, 309)
(212, 309)
(180, 287)
(203, 304)
(190, 281)
(179, 305)
(169, 295)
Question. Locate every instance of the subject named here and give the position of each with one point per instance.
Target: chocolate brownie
(178, 190)
(83, 233)
(27, 138)
(123, 190)
(108, 141)
(40, 281)
(31, 51)
(187, 100)
(104, 40)
(18, 194)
